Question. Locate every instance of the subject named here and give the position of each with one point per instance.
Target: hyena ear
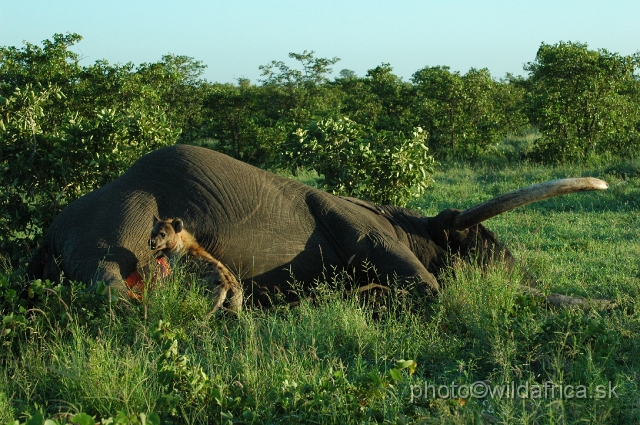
(177, 225)
(155, 219)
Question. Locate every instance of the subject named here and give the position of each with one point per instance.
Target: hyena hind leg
(229, 294)
(227, 289)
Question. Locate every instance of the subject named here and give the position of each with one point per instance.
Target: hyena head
(165, 235)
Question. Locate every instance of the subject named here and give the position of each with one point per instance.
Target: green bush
(584, 102)
(64, 131)
(44, 171)
(382, 166)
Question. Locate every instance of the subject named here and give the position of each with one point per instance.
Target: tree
(66, 130)
(232, 120)
(297, 95)
(357, 101)
(582, 100)
(315, 71)
(394, 96)
(464, 114)
(176, 87)
(52, 63)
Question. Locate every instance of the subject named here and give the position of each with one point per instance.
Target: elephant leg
(110, 273)
(395, 260)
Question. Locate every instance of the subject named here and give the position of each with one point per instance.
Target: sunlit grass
(330, 359)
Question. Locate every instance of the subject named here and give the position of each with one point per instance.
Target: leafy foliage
(57, 143)
(233, 123)
(583, 101)
(185, 384)
(464, 114)
(102, 117)
(382, 166)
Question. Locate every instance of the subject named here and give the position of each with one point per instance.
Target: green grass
(334, 360)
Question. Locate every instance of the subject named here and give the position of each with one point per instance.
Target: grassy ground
(481, 353)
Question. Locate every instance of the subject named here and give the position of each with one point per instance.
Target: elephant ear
(177, 225)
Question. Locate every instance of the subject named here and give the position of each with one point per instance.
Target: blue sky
(234, 37)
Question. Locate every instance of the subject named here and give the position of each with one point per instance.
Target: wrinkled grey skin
(264, 227)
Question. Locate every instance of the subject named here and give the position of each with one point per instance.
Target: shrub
(584, 102)
(382, 166)
(66, 130)
(44, 169)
